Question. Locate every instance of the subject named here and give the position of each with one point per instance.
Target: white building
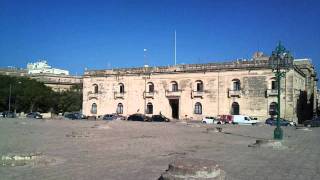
(43, 67)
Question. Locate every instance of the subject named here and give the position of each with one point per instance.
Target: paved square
(142, 150)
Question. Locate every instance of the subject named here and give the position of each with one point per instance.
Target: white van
(242, 119)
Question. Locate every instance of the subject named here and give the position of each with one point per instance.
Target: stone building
(58, 82)
(196, 90)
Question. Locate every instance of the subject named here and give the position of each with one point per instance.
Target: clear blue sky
(74, 34)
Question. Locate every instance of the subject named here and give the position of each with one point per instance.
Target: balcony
(173, 94)
(148, 94)
(234, 93)
(272, 92)
(119, 95)
(195, 94)
(92, 95)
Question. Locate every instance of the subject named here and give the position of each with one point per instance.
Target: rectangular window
(274, 85)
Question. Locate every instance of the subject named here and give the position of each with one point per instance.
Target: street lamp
(280, 61)
(10, 87)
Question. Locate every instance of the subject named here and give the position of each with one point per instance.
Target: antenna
(175, 47)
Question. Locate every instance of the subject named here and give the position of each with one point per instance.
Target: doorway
(235, 108)
(174, 104)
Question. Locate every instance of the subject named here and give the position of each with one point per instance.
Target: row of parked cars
(242, 119)
(8, 114)
(110, 117)
(137, 117)
(230, 119)
(153, 118)
(222, 119)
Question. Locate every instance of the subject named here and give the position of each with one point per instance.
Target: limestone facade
(194, 90)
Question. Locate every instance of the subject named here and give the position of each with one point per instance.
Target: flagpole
(175, 47)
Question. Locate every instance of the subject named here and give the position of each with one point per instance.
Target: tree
(29, 95)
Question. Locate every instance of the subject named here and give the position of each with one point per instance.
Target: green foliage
(30, 95)
(70, 100)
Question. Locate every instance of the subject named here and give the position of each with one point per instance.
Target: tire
(219, 122)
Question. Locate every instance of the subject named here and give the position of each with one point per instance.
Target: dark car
(315, 122)
(73, 116)
(8, 114)
(80, 115)
(109, 117)
(283, 122)
(138, 117)
(113, 117)
(35, 115)
(159, 118)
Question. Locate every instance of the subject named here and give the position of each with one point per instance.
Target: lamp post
(280, 62)
(9, 108)
(10, 94)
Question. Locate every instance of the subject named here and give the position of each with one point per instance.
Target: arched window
(199, 87)
(235, 108)
(149, 108)
(198, 108)
(150, 87)
(273, 109)
(95, 88)
(174, 86)
(121, 88)
(120, 108)
(94, 108)
(236, 86)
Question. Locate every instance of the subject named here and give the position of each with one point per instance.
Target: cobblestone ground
(142, 150)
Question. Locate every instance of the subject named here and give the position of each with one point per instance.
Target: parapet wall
(240, 64)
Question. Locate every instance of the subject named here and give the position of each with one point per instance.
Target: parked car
(80, 115)
(8, 114)
(209, 120)
(225, 119)
(73, 116)
(113, 117)
(138, 117)
(283, 122)
(108, 117)
(315, 122)
(159, 118)
(242, 119)
(35, 115)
